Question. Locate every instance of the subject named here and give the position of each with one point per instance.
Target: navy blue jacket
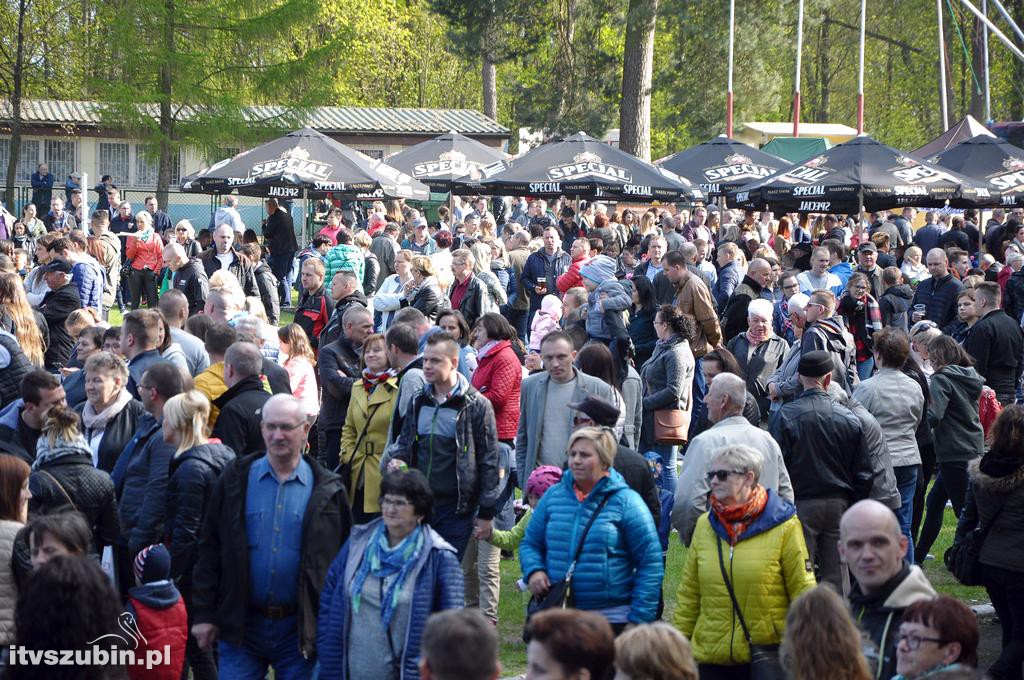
(534, 268)
(939, 298)
(437, 579)
(142, 487)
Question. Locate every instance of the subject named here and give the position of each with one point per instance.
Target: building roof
(337, 119)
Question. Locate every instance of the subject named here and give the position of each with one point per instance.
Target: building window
(376, 154)
(60, 156)
(28, 159)
(114, 162)
(147, 167)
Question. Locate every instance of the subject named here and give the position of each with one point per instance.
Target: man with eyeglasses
(821, 443)
(825, 330)
(275, 522)
(238, 425)
(873, 547)
(725, 400)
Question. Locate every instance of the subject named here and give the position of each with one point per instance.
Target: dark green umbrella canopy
(988, 159)
(863, 172)
(305, 163)
(722, 165)
(579, 165)
(438, 162)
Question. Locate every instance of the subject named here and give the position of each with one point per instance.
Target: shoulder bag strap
(62, 490)
(732, 595)
(583, 536)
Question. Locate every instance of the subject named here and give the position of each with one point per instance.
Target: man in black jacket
(241, 406)
(21, 423)
(821, 443)
(995, 343)
(346, 293)
(189, 276)
(222, 256)
(275, 523)
(450, 435)
(62, 299)
(338, 365)
(595, 411)
(279, 237)
(939, 292)
(467, 292)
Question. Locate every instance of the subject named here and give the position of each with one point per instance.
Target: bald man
(873, 547)
(734, 316)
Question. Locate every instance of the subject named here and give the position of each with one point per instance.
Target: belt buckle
(275, 612)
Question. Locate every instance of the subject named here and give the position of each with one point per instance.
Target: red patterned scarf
(736, 518)
(371, 379)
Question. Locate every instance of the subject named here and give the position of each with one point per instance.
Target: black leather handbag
(963, 558)
(764, 659)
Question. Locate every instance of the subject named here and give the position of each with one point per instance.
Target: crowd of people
(313, 459)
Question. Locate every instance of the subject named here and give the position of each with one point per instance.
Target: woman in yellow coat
(366, 429)
(753, 538)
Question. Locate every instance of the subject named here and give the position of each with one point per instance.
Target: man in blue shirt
(274, 524)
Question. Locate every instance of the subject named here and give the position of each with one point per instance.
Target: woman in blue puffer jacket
(386, 581)
(619, 571)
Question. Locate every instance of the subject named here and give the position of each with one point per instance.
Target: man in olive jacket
(275, 523)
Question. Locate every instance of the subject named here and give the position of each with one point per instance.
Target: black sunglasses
(723, 475)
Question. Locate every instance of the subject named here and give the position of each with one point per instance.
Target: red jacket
(572, 277)
(146, 254)
(498, 377)
(163, 623)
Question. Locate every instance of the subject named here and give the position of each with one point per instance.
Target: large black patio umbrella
(438, 162)
(305, 164)
(722, 165)
(862, 173)
(991, 159)
(579, 165)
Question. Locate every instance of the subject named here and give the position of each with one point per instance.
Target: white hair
(798, 303)
(740, 457)
(762, 308)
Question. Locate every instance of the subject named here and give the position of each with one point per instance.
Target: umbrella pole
(728, 94)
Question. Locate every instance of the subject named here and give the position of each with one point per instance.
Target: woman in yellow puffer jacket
(755, 538)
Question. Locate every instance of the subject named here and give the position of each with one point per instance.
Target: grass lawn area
(513, 603)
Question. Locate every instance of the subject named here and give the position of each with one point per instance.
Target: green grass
(115, 318)
(512, 608)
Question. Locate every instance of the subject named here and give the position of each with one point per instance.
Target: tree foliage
(195, 64)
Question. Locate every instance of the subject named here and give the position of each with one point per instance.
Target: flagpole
(984, 56)
(728, 94)
(796, 81)
(942, 69)
(860, 68)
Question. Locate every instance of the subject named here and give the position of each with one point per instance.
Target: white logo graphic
(295, 160)
(127, 623)
(589, 164)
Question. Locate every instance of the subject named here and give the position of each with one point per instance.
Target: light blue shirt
(273, 525)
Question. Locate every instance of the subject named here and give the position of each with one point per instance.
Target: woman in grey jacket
(958, 437)
(668, 383)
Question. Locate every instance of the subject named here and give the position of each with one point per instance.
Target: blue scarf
(383, 561)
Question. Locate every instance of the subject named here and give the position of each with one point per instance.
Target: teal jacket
(344, 256)
(621, 560)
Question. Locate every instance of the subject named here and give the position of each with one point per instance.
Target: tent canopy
(438, 162)
(721, 165)
(966, 128)
(797, 149)
(990, 159)
(863, 172)
(579, 165)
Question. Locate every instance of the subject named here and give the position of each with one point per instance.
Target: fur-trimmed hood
(995, 485)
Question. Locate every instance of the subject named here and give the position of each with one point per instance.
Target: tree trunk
(824, 73)
(565, 64)
(637, 71)
(163, 181)
(977, 106)
(490, 83)
(17, 90)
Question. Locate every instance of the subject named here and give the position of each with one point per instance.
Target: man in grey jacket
(543, 432)
(725, 400)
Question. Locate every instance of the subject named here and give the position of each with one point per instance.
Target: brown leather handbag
(671, 426)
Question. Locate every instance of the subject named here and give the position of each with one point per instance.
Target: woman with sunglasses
(388, 578)
(746, 564)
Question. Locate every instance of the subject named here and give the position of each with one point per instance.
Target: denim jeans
(667, 481)
(268, 642)
(517, 317)
(906, 483)
(950, 484)
(866, 368)
(700, 390)
(456, 529)
(281, 265)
